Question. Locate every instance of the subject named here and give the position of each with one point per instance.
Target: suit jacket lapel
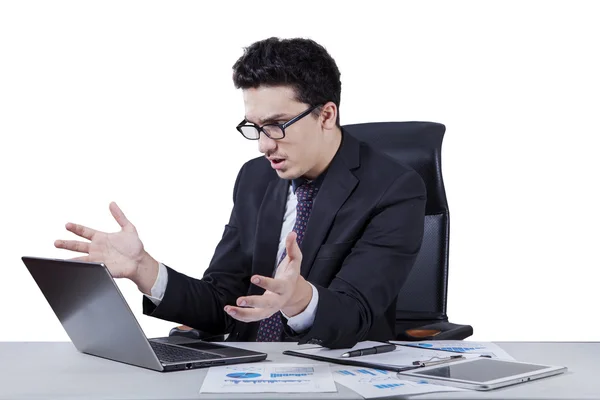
(270, 219)
(338, 184)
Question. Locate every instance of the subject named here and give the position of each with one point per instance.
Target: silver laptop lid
(92, 310)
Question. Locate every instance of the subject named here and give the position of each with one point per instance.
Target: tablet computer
(480, 373)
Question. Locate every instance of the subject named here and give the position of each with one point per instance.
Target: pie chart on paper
(243, 375)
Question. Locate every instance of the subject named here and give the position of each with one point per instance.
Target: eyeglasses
(274, 131)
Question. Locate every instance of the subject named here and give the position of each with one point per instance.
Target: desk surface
(56, 370)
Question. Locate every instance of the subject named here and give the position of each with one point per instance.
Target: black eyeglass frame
(281, 126)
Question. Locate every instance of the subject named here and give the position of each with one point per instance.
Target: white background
(134, 102)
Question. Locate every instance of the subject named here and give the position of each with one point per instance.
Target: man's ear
(329, 115)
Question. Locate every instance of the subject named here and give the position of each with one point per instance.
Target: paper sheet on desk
(269, 378)
(371, 383)
(402, 357)
(462, 346)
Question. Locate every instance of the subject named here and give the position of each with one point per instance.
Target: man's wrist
(300, 300)
(146, 273)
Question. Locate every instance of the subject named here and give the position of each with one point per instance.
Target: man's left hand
(287, 291)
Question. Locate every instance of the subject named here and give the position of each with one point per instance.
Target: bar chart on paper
(373, 383)
(363, 371)
(465, 347)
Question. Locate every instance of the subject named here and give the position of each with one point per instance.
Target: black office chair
(421, 304)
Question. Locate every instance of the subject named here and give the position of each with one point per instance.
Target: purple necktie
(271, 329)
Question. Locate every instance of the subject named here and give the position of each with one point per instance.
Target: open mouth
(277, 163)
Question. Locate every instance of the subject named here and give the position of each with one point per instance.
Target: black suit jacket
(362, 238)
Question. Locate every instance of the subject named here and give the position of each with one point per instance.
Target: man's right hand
(122, 252)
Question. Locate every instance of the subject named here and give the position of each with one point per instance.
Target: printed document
(269, 378)
(372, 383)
(461, 346)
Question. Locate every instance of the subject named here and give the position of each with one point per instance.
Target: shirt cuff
(160, 285)
(305, 319)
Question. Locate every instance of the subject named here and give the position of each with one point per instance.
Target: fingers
(264, 301)
(88, 233)
(80, 230)
(292, 248)
(73, 245)
(248, 314)
(255, 308)
(82, 258)
(119, 215)
(274, 285)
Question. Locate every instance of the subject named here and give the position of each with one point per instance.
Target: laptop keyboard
(168, 353)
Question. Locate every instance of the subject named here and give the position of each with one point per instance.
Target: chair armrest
(437, 331)
(191, 333)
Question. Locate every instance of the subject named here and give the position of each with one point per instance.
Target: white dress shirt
(298, 323)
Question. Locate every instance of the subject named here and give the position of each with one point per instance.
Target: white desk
(55, 370)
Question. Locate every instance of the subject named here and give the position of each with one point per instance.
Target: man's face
(299, 151)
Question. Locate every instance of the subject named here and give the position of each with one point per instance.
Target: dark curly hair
(300, 63)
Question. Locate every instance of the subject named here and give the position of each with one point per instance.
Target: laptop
(99, 322)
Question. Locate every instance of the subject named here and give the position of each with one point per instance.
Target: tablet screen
(480, 370)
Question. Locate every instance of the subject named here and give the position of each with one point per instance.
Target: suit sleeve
(199, 303)
(375, 270)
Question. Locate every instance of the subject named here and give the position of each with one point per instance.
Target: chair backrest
(418, 145)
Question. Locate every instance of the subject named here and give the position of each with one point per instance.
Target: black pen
(385, 348)
(442, 360)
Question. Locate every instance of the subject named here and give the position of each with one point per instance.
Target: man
(323, 233)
